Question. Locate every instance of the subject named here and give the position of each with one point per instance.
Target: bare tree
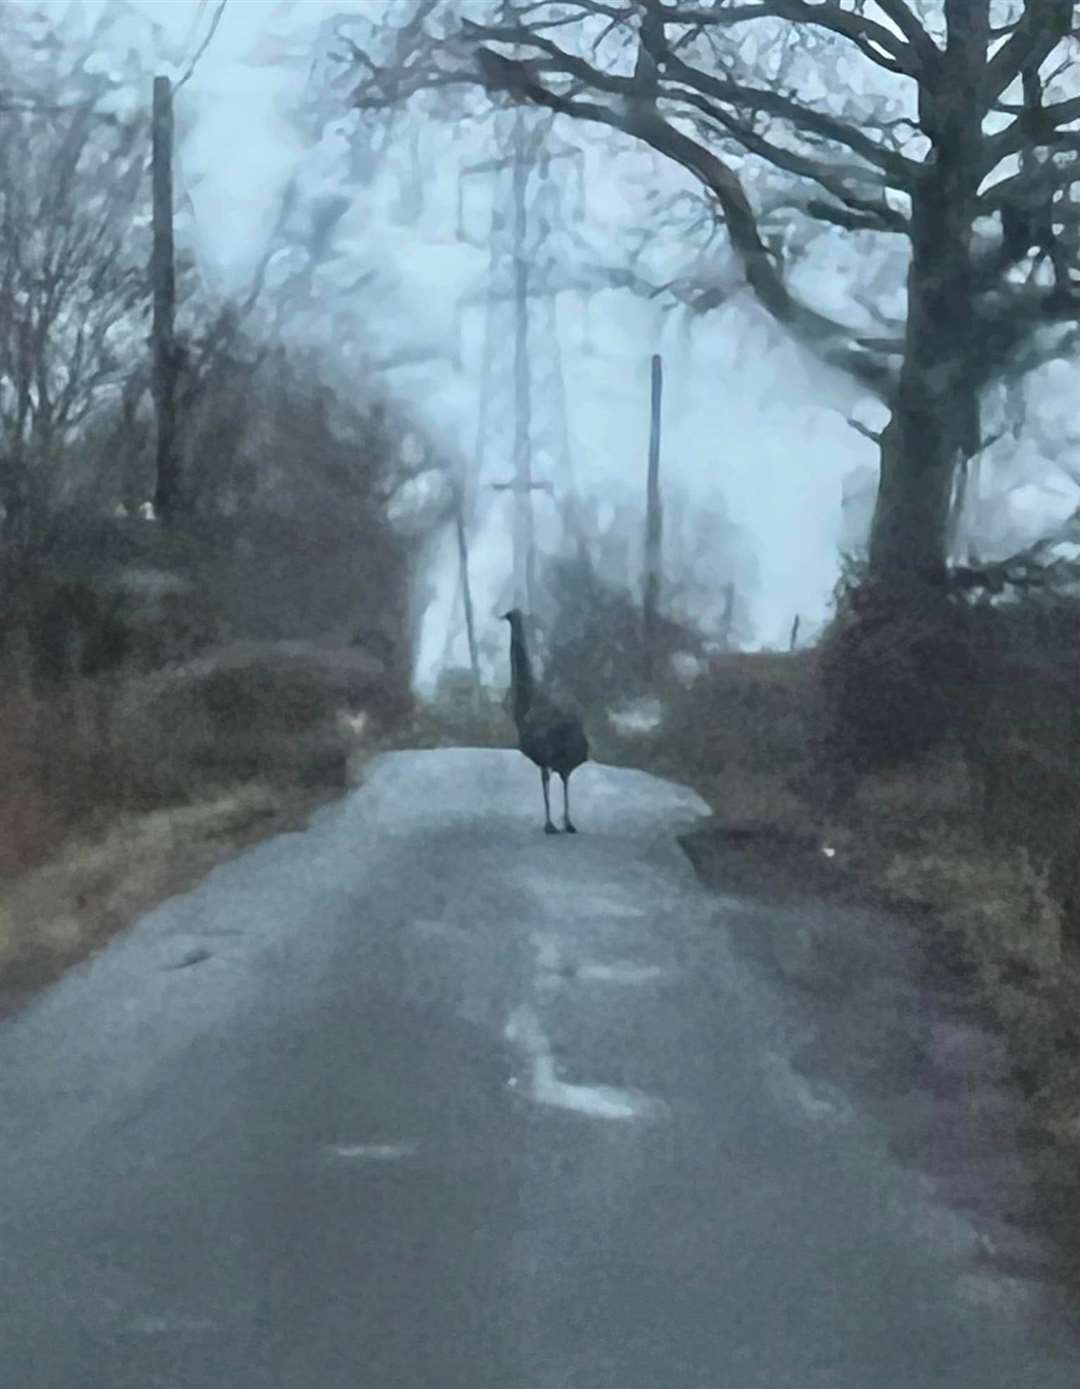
(949, 130)
(72, 281)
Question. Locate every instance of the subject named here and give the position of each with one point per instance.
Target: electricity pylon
(522, 404)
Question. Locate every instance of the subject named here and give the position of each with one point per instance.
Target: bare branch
(686, 108)
(900, 171)
(70, 277)
(1032, 130)
(874, 435)
(826, 337)
(873, 40)
(911, 28)
(872, 217)
(1035, 35)
(1011, 319)
(866, 213)
(1042, 182)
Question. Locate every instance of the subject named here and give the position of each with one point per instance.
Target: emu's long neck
(521, 676)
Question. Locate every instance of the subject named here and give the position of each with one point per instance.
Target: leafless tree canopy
(721, 87)
(71, 276)
(950, 125)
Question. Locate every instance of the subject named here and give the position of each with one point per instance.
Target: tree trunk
(909, 535)
(934, 424)
(935, 418)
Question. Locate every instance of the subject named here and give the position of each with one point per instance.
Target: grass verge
(984, 906)
(120, 792)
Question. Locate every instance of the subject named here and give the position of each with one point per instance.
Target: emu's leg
(545, 777)
(566, 803)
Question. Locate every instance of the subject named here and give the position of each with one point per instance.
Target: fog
(752, 427)
(334, 1014)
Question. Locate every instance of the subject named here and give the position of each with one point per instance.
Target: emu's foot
(570, 828)
(549, 828)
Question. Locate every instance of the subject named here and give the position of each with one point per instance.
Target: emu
(547, 735)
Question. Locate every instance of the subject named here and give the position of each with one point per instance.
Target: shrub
(596, 653)
(749, 709)
(896, 664)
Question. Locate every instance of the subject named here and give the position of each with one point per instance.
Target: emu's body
(549, 736)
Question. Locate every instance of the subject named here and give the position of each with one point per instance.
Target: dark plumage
(549, 736)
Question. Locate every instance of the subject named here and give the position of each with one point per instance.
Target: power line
(204, 45)
(195, 25)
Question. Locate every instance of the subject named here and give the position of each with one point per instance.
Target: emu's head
(515, 617)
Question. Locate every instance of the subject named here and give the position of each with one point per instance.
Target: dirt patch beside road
(895, 1020)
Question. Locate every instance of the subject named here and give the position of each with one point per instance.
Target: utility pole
(653, 525)
(163, 277)
(524, 542)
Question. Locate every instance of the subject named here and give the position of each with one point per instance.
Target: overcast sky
(746, 417)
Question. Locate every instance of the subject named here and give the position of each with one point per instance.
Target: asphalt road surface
(422, 1098)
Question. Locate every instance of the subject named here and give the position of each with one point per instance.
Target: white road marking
(619, 972)
(373, 1152)
(172, 1322)
(544, 1086)
(439, 929)
(818, 1102)
(554, 966)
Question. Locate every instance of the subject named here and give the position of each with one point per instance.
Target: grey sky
(746, 415)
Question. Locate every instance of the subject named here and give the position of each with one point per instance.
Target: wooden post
(727, 621)
(653, 525)
(466, 590)
(460, 514)
(163, 277)
(793, 639)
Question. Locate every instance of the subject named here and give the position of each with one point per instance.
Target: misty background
(232, 538)
(764, 480)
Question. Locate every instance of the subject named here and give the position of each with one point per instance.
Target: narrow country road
(422, 1098)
